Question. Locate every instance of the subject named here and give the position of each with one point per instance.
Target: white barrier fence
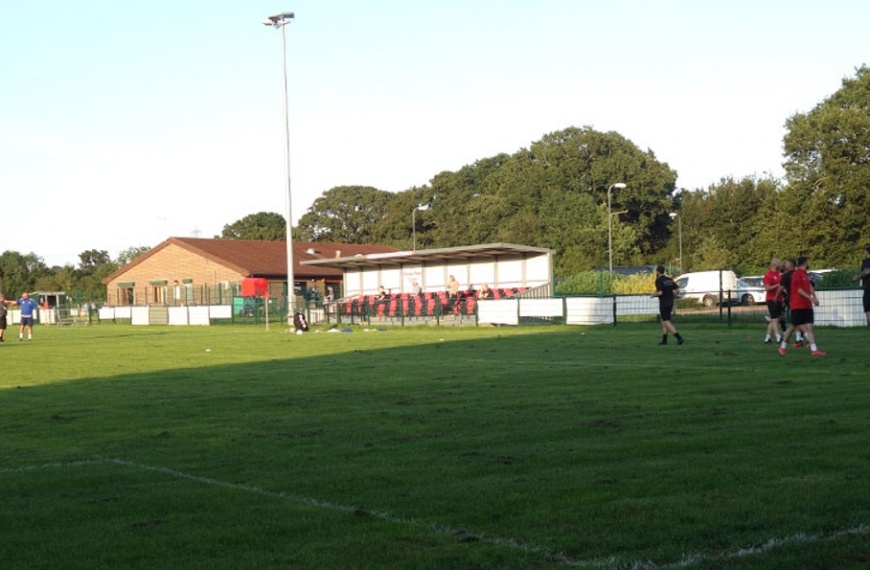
(199, 315)
(840, 308)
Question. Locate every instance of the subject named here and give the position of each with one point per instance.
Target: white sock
(798, 337)
(779, 338)
(766, 338)
(813, 346)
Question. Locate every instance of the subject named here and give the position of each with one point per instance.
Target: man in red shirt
(802, 299)
(771, 283)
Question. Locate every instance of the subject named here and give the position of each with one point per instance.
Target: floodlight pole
(279, 21)
(618, 186)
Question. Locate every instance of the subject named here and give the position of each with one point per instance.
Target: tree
(733, 220)
(262, 226)
(20, 272)
(62, 279)
(92, 259)
(129, 254)
(827, 152)
(551, 195)
(347, 214)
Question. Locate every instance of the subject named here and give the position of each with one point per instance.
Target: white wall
(504, 272)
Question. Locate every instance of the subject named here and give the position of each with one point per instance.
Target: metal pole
(291, 289)
(680, 239)
(414, 229)
(280, 21)
(618, 186)
(609, 231)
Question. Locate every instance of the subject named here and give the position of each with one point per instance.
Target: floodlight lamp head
(619, 185)
(279, 20)
(673, 215)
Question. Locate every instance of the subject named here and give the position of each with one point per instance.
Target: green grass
(444, 448)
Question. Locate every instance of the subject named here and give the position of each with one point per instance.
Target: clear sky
(124, 123)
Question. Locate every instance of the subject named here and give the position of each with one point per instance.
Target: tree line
(559, 193)
(554, 194)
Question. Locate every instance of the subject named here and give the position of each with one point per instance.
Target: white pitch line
(383, 515)
(610, 563)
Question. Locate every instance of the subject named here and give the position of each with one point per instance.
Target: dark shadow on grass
(568, 437)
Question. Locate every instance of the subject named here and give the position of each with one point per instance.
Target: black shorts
(3, 323)
(775, 309)
(665, 312)
(802, 317)
(867, 300)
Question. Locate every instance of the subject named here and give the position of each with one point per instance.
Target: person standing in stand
(452, 293)
(771, 283)
(802, 299)
(864, 276)
(666, 291)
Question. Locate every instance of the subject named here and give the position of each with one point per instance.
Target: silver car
(750, 290)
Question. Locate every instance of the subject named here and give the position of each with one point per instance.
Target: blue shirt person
(27, 305)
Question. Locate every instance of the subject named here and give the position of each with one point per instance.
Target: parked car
(704, 286)
(750, 290)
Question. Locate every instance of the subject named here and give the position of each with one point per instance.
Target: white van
(705, 286)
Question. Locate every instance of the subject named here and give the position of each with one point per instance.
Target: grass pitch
(447, 448)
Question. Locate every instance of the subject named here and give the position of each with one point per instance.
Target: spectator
(485, 292)
(452, 293)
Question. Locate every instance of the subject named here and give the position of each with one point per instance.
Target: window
(126, 296)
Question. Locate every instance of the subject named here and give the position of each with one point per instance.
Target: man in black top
(864, 276)
(666, 290)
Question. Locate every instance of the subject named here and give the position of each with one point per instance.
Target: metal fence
(838, 307)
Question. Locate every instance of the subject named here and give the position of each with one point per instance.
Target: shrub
(637, 284)
(601, 283)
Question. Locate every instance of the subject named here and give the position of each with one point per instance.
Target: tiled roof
(263, 258)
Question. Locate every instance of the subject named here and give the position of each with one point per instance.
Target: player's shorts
(3, 323)
(26, 321)
(802, 317)
(665, 312)
(775, 309)
(867, 300)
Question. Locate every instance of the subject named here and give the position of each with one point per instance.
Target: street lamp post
(279, 21)
(422, 208)
(618, 186)
(679, 236)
